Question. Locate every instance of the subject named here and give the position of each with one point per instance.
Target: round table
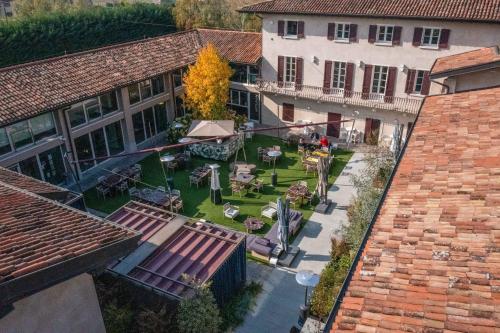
(253, 224)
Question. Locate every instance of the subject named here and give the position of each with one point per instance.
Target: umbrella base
(216, 196)
(322, 208)
(274, 179)
(286, 259)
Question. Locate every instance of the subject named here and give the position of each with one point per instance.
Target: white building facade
(375, 70)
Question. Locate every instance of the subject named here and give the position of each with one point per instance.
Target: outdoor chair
(161, 188)
(237, 188)
(309, 197)
(293, 200)
(133, 192)
(258, 185)
(194, 180)
(268, 159)
(136, 177)
(311, 168)
(178, 205)
(302, 183)
(300, 149)
(138, 167)
(122, 187)
(101, 179)
(176, 193)
(172, 166)
(270, 210)
(102, 190)
(231, 211)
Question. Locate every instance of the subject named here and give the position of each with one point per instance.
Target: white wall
(68, 307)
(477, 80)
(463, 37)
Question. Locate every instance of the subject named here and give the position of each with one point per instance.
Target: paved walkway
(278, 304)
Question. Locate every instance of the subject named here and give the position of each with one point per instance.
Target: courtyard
(196, 200)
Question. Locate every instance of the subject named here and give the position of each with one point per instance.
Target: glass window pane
(4, 142)
(84, 151)
(133, 94)
(145, 87)
(77, 116)
(253, 74)
(92, 108)
(109, 102)
(20, 134)
(43, 126)
(158, 86)
(177, 77)
(138, 127)
(240, 73)
(99, 143)
(52, 164)
(149, 122)
(115, 138)
(243, 98)
(179, 106)
(254, 106)
(29, 167)
(161, 117)
(291, 28)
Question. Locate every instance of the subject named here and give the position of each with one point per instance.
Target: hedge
(56, 33)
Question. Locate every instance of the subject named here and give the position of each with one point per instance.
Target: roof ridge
(228, 30)
(103, 48)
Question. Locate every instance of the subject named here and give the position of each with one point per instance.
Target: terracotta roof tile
(431, 263)
(465, 60)
(463, 10)
(235, 46)
(37, 233)
(46, 85)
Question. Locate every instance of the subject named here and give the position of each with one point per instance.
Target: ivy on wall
(53, 34)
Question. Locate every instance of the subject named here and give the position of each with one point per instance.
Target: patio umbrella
(283, 210)
(308, 279)
(215, 194)
(322, 186)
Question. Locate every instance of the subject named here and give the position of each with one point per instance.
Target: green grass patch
(197, 200)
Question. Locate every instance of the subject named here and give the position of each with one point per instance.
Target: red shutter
(300, 29)
(281, 28)
(426, 84)
(327, 77)
(331, 31)
(299, 63)
(372, 34)
(417, 36)
(396, 38)
(288, 112)
(391, 85)
(281, 66)
(353, 32)
(410, 81)
(349, 75)
(443, 39)
(367, 81)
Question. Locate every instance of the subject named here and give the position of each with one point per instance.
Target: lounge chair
(270, 210)
(231, 211)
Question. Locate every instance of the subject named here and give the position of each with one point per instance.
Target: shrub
(199, 313)
(118, 319)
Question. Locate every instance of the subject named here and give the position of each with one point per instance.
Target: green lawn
(197, 201)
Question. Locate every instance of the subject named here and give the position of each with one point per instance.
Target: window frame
(102, 114)
(293, 69)
(430, 44)
(379, 79)
(145, 83)
(341, 78)
(292, 36)
(9, 131)
(239, 92)
(384, 41)
(343, 30)
(416, 83)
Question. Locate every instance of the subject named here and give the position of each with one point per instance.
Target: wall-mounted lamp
(360, 64)
(403, 68)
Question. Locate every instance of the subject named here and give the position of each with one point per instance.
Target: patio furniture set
(310, 159)
(299, 193)
(158, 197)
(118, 181)
(179, 161)
(263, 154)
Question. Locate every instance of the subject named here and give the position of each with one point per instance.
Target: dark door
(372, 129)
(334, 128)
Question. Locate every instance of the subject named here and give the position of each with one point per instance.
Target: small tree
(199, 313)
(207, 85)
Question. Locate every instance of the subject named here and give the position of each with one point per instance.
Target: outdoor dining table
(112, 180)
(320, 153)
(312, 159)
(155, 196)
(244, 178)
(253, 224)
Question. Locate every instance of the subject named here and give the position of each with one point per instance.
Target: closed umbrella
(322, 186)
(215, 193)
(283, 210)
(396, 140)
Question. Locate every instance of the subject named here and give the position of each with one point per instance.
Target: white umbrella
(322, 186)
(215, 193)
(308, 279)
(283, 210)
(396, 140)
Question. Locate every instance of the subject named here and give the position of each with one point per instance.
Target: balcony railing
(377, 101)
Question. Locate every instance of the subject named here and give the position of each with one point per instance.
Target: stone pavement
(277, 307)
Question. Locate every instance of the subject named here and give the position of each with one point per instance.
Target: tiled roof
(38, 235)
(432, 260)
(235, 46)
(33, 185)
(462, 10)
(464, 60)
(49, 84)
(46, 85)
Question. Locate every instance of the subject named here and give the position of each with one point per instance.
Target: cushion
(262, 241)
(261, 249)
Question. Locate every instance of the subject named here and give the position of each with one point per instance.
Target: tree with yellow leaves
(206, 85)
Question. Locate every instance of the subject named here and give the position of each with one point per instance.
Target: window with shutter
(299, 63)
(417, 82)
(430, 37)
(417, 36)
(385, 34)
(410, 81)
(290, 69)
(379, 81)
(426, 84)
(281, 65)
(343, 32)
(327, 79)
(391, 85)
(367, 77)
(348, 80)
(288, 112)
(292, 29)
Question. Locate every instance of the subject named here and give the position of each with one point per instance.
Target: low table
(253, 224)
